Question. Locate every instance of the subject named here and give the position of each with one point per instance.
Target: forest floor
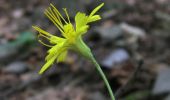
(131, 43)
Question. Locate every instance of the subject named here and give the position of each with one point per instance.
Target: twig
(122, 89)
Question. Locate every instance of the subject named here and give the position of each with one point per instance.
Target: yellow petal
(47, 64)
(69, 31)
(96, 9)
(80, 19)
(83, 29)
(94, 18)
(62, 56)
(56, 40)
(81, 23)
(54, 51)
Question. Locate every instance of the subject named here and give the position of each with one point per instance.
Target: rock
(167, 98)
(17, 13)
(30, 77)
(133, 30)
(162, 84)
(116, 57)
(109, 32)
(16, 68)
(132, 34)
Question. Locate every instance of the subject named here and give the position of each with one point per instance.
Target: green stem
(104, 78)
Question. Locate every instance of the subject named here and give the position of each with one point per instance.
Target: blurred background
(131, 43)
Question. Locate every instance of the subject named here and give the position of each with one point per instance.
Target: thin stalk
(103, 77)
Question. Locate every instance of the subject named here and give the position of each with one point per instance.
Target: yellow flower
(72, 36)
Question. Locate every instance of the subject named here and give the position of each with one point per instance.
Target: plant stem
(104, 77)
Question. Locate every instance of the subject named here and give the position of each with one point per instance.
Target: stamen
(57, 16)
(43, 36)
(58, 13)
(52, 19)
(42, 41)
(41, 31)
(65, 10)
(45, 44)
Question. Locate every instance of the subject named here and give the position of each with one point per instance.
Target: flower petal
(57, 52)
(96, 9)
(81, 21)
(83, 29)
(62, 56)
(56, 40)
(94, 18)
(47, 64)
(69, 31)
(54, 51)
